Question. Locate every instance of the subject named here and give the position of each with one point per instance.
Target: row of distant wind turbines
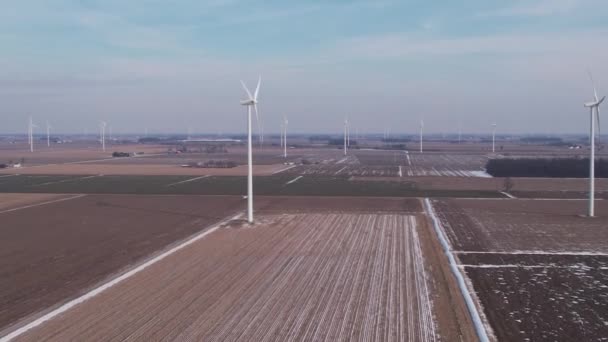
(594, 107)
(30, 134)
(252, 101)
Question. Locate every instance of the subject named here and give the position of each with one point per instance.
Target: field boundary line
(43, 203)
(534, 253)
(285, 169)
(519, 266)
(67, 180)
(187, 180)
(508, 195)
(3, 176)
(480, 327)
(342, 169)
(294, 180)
(67, 306)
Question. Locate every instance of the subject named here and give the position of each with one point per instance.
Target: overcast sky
(167, 65)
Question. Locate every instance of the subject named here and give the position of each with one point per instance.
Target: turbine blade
(246, 90)
(593, 85)
(599, 132)
(257, 88)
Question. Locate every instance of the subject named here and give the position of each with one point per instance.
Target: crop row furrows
(322, 277)
(152, 307)
(339, 283)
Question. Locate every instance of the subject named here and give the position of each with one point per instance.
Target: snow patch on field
(481, 174)
(284, 169)
(188, 180)
(508, 194)
(294, 180)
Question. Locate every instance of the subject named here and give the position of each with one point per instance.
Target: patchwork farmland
(537, 267)
(372, 272)
(142, 248)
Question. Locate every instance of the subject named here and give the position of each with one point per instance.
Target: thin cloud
(535, 8)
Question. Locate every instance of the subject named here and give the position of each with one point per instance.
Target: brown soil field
(144, 170)
(290, 277)
(56, 251)
(509, 148)
(536, 267)
(10, 201)
(306, 204)
(522, 224)
(522, 185)
(69, 153)
(543, 297)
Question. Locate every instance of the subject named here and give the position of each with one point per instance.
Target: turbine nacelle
(595, 103)
(250, 102)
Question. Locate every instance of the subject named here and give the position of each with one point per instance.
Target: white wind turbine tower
(459, 132)
(252, 100)
(493, 138)
(345, 134)
(102, 134)
(48, 134)
(421, 128)
(594, 105)
(285, 123)
(30, 133)
(282, 132)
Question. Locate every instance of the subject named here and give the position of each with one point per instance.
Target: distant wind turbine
(281, 133)
(345, 134)
(102, 134)
(493, 138)
(285, 123)
(421, 128)
(594, 105)
(459, 132)
(252, 101)
(48, 134)
(30, 132)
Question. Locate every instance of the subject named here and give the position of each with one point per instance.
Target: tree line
(546, 167)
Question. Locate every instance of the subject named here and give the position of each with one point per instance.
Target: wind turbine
(30, 132)
(421, 128)
(48, 134)
(459, 132)
(285, 123)
(102, 134)
(345, 134)
(493, 138)
(594, 105)
(282, 132)
(252, 100)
